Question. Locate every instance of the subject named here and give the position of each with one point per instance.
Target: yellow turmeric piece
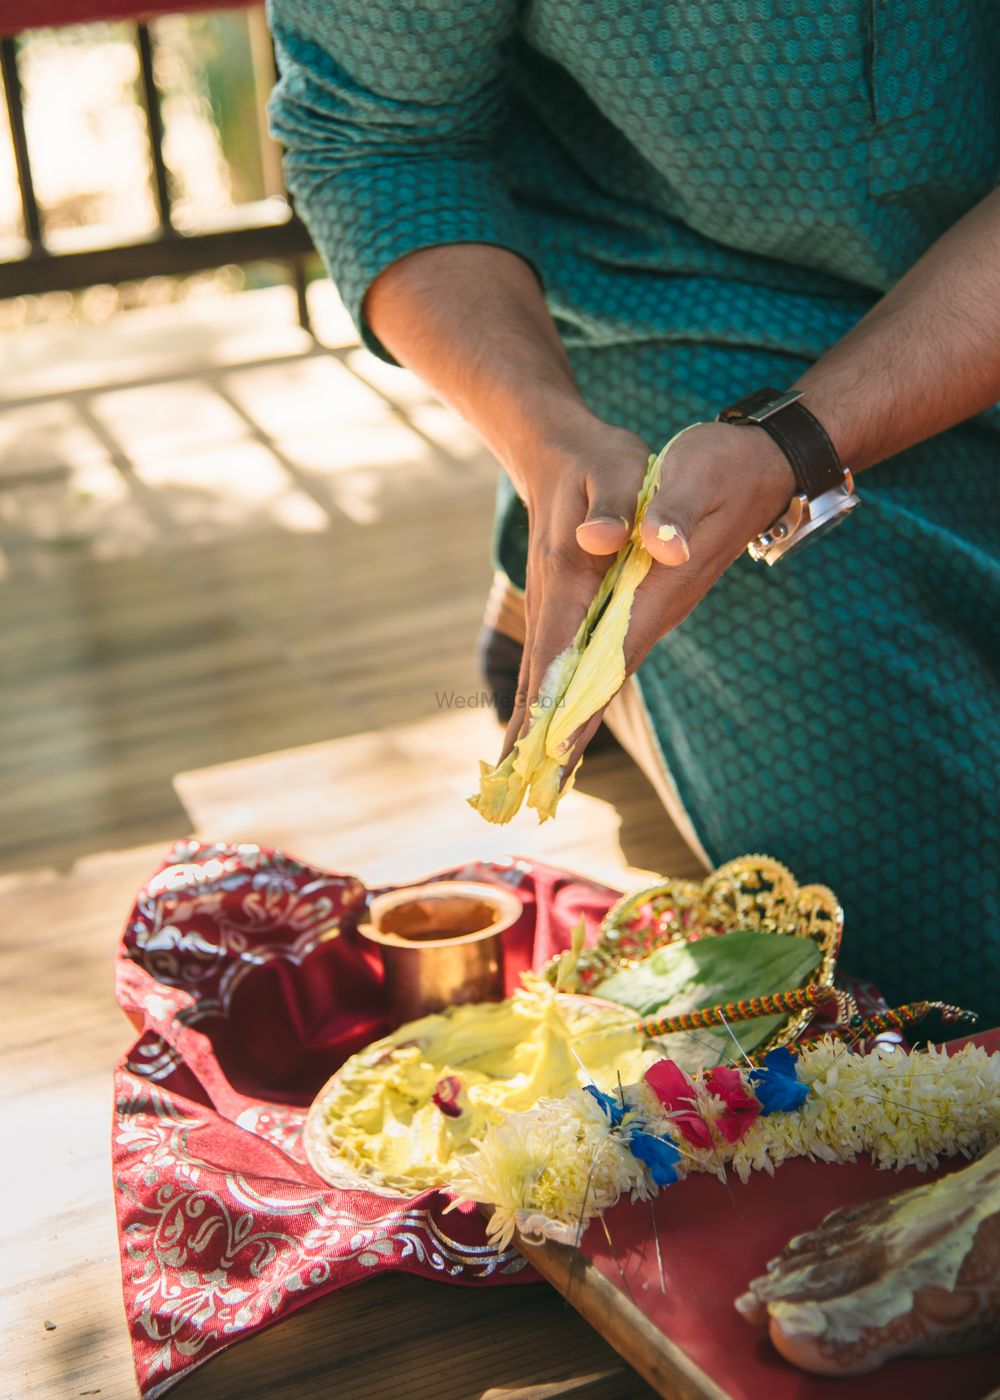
(579, 682)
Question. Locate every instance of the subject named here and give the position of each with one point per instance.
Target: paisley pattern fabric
(711, 195)
(249, 986)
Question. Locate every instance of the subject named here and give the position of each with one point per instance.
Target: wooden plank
(664, 1365)
(408, 783)
(398, 1336)
(287, 682)
(62, 1032)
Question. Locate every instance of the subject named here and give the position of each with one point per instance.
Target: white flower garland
(547, 1171)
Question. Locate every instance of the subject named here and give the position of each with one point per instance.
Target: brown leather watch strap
(801, 437)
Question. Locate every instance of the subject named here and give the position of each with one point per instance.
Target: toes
(818, 1356)
(752, 1308)
(803, 1352)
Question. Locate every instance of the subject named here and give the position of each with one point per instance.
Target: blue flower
(612, 1106)
(658, 1154)
(776, 1085)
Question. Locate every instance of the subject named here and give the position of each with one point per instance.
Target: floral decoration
(548, 1171)
(776, 1084)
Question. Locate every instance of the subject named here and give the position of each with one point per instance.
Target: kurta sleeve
(388, 111)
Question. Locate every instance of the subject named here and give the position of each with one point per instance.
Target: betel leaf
(686, 976)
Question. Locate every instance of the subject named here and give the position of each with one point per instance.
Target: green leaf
(682, 977)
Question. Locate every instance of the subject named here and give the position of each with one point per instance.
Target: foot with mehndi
(916, 1274)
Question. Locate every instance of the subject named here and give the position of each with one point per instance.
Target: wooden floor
(240, 580)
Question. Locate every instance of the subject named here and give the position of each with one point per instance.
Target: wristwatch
(825, 493)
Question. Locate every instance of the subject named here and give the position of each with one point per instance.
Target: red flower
(673, 1088)
(741, 1107)
(446, 1092)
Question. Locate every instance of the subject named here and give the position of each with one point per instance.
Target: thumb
(606, 527)
(670, 521)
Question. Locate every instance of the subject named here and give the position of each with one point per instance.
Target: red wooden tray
(690, 1341)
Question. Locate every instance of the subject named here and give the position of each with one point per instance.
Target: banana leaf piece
(686, 976)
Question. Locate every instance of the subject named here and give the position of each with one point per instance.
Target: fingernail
(605, 520)
(666, 533)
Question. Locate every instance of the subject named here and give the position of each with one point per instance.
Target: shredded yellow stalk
(577, 684)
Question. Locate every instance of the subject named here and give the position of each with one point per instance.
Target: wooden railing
(264, 230)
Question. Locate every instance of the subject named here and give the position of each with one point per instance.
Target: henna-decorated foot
(917, 1274)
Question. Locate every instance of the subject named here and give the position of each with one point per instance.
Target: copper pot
(440, 944)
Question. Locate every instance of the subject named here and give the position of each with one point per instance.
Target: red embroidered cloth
(248, 983)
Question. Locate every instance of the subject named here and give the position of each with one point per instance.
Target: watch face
(827, 511)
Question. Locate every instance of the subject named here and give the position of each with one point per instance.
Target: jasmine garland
(548, 1170)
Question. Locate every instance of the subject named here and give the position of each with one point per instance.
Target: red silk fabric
(248, 985)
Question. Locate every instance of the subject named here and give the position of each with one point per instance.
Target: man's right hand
(579, 478)
(471, 320)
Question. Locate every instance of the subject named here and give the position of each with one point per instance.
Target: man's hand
(472, 321)
(720, 486)
(579, 480)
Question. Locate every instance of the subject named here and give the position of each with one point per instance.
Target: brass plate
(751, 892)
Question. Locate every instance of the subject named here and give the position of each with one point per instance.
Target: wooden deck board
(246, 678)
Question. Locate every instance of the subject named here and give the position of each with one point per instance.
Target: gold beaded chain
(846, 1015)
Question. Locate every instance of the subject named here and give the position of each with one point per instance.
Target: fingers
(579, 742)
(519, 714)
(687, 495)
(561, 584)
(667, 541)
(566, 580)
(555, 631)
(605, 529)
(667, 596)
(581, 510)
(610, 512)
(514, 725)
(663, 600)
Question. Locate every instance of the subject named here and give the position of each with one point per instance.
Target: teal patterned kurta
(713, 193)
